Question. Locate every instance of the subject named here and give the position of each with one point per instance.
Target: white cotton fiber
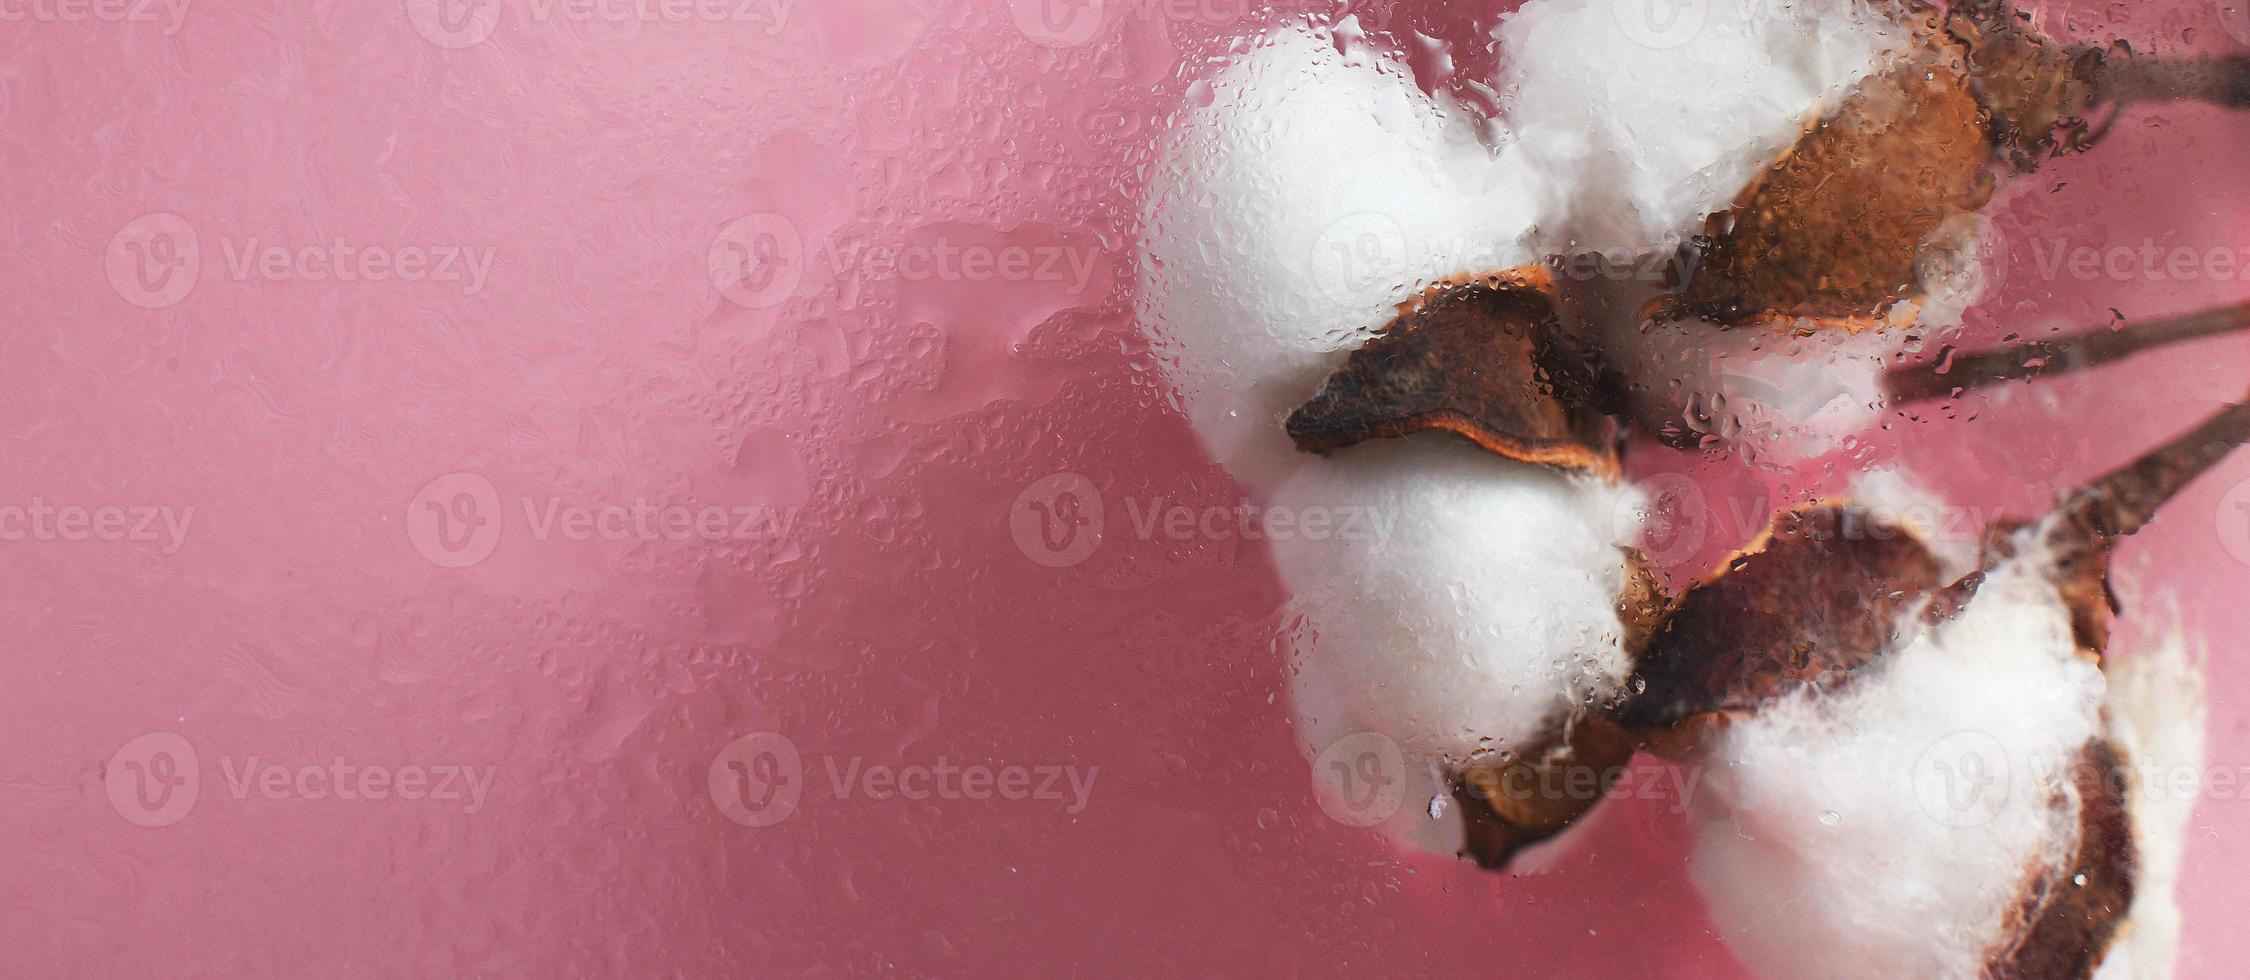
(1782, 397)
(1649, 115)
(1478, 617)
(1889, 830)
(2156, 718)
(1289, 217)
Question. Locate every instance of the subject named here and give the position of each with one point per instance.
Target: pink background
(892, 419)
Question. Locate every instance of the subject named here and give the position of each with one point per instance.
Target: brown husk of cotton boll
(1774, 622)
(1484, 361)
(1811, 602)
(1834, 233)
(1513, 800)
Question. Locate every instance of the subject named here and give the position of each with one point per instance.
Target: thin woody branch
(1952, 376)
(2124, 501)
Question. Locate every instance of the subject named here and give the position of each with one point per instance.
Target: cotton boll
(1892, 828)
(1649, 119)
(1290, 217)
(1477, 614)
(1642, 121)
(2156, 717)
(1473, 609)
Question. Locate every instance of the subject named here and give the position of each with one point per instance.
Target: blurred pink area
(874, 423)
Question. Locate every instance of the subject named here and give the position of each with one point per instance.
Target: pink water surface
(863, 413)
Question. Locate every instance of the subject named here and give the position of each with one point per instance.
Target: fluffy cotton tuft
(2157, 717)
(1477, 617)
(1889, 830)
(1650, 116)
(1289, 218)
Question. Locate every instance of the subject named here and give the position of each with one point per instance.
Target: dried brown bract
(1484, 362)
(1833, 234)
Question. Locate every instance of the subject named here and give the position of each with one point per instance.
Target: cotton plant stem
(2124, 501)
(2094, 348)
(2223, 81)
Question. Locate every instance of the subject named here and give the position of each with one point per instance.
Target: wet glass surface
(793, 488)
